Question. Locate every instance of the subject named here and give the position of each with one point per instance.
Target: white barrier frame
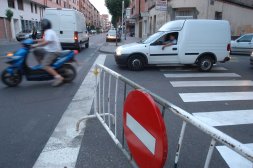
(216, 135)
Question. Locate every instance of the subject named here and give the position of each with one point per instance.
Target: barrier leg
(91, 116)
(179, 145)
(210, 153)
(108, 99)
(103, 96)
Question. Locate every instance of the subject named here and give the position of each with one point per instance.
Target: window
(64, 4)
(32, 7)
(35, 7)
(11, 4)
(211, 2)
(57, 1)
(246, 38)
(184, 13)
(170, 38)
(218, 15)
(20, 5)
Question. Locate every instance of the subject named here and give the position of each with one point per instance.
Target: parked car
(251, 58)
(199, 42)
(70, 26)
(93, 31)
(242, 45)
(24, 34)
(112, 35)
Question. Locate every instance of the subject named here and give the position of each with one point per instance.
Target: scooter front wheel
(68, 72)
(11, 80)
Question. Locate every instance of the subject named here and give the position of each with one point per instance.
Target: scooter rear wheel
(11, 80)
(68, 72)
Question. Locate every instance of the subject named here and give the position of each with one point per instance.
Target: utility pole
(122, 18)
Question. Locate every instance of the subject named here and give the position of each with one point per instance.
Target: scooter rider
(48, 50)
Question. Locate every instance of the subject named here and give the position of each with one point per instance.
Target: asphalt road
(196, 143)
(30, 113)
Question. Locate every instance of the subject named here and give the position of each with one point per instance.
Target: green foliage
(115, 8)
(9, 14)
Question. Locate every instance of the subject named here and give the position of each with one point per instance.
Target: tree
(9, 14)
(115, 9)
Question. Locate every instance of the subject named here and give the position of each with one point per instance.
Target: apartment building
(104, 21)
(91, 14)
(150, 18)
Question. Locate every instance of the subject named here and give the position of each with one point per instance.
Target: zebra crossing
(183, 78)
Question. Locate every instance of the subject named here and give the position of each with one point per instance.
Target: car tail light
(76, 52)
(229, 47)
(76, 36)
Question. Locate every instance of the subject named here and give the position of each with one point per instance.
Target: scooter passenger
(47, 50)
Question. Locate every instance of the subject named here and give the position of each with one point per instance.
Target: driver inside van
(169, 42)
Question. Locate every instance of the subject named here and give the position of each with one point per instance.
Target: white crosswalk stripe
(233, 159)
(217, 118)
(216, 96)
(212, 83)
(184, 69)
(200, 75)
(225, 118)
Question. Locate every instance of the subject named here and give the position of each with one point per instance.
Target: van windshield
(152, 37)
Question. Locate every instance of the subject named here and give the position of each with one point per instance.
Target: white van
(70, 26)
(200, 42)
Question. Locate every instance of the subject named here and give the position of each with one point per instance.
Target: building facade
(91, 14)
(105, 23)
(238, 12)
(28, 13)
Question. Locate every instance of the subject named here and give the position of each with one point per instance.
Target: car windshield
(112, 32)
(152, 37)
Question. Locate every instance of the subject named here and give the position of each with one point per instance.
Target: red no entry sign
(145, 130)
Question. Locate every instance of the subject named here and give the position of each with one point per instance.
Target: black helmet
(45, 24)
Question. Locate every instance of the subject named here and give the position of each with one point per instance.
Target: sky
(100, 5)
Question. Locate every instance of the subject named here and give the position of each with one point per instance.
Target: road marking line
(198, 75)
(185, 69)
(225, 118)
(144, 136)
(212, 83)
(216, 96)
(233, 159)
(63, 146)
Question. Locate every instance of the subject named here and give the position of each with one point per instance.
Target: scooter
(12, 75)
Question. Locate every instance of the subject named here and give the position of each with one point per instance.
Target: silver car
(112, 35)
(242, 45)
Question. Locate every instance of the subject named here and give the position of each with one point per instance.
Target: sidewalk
(5, 42)
(110, 47)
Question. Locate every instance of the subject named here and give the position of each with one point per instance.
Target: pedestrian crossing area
(182, 79)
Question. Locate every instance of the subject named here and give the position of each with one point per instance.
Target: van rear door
(53, 16)
(67, 26)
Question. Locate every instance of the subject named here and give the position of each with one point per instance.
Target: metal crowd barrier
(106, 109)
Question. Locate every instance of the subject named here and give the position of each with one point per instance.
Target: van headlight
(118, 51)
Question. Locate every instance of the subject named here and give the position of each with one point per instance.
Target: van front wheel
(136, 63)
(205, 64)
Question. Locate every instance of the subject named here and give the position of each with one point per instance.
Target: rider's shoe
(58, 81)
